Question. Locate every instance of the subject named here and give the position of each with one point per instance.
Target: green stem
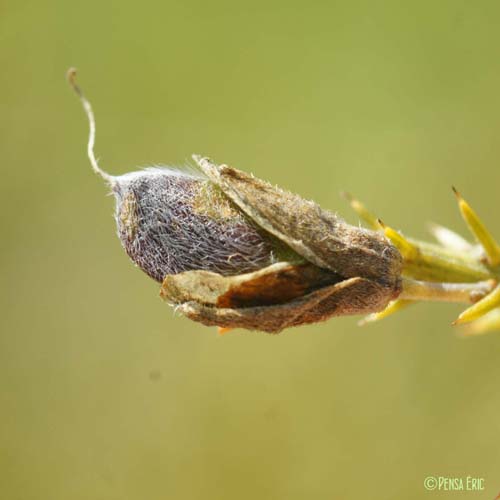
(445, 292)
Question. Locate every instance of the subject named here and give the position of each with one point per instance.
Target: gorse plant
(233, 251)
(453, 269)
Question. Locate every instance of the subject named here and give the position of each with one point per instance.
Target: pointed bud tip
(461, 320)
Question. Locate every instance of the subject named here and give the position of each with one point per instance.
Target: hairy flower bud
(171, 221)
(234, 251)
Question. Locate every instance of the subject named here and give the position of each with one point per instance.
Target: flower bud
(234, 251)
(342, 269)
(171, 221)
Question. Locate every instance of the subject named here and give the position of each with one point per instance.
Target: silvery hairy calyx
(233, 251)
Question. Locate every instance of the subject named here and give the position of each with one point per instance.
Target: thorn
(391, 308)
(346, 195)
(486, 324)
(478, 229)
(361, 210)
(480, 308)
(408, 250)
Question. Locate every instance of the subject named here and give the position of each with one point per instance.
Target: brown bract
(349, 270)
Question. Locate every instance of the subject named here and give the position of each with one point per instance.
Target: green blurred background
(104, 393)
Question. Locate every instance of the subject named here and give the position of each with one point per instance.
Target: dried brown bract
(346, 270)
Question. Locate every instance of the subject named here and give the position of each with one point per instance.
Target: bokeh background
(104, 393)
